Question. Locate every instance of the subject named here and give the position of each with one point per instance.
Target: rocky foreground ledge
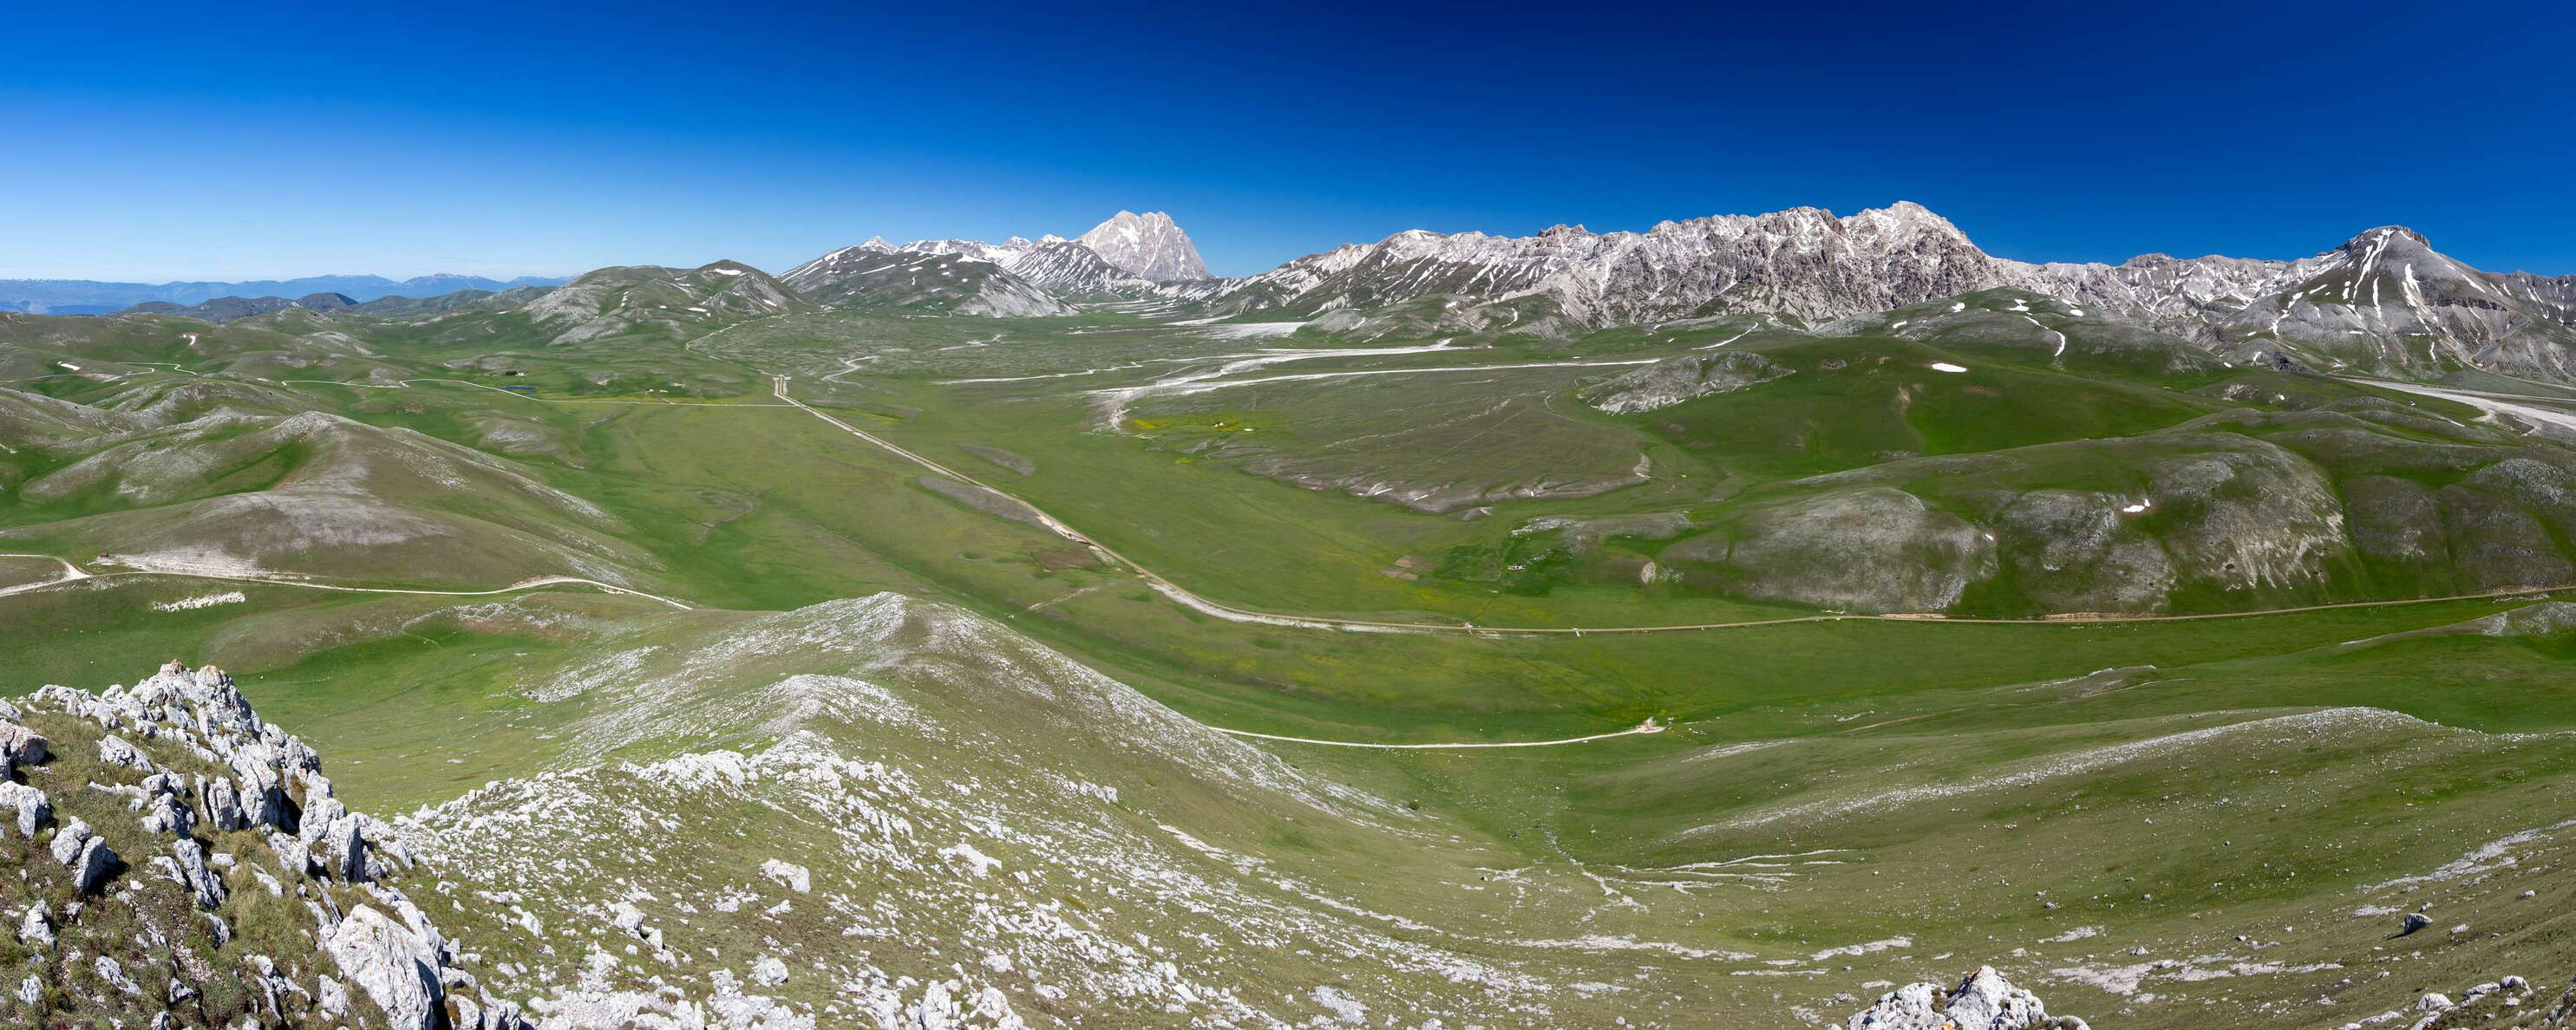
(183, 863)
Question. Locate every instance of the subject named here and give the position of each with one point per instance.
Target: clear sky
(150, 141)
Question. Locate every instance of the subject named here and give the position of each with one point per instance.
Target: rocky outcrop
(1667, 383)
(178, 843)
(1984, 1000)
(394, 965)
(1873, 548)
(2505, 1003)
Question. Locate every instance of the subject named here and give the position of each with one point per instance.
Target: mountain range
(2381, 303)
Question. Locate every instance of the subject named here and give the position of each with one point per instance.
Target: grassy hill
(997, 755)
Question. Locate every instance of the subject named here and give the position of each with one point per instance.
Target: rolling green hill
(755, 655)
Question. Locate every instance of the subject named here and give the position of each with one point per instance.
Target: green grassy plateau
(2160, 683)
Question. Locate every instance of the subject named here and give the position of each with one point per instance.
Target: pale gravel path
(74, 573)
(1648, 726)
(71, 573)
(2491, 403)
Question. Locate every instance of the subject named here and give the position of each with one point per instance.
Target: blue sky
(206, 141)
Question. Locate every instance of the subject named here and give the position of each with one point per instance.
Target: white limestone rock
(93, 865)
(37, 928)
(68, 840)
(190, 857)
(34, 809)
(795, 877)
(21, 746)
(114, 750)
(1982, 1001)
(393, 966)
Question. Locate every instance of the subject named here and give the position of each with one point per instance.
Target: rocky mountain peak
(2385, 235)
(1904, 218)
(1149, 246)
(2396, 246)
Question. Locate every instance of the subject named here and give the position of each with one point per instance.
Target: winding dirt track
(1648, 726)
(73, 573)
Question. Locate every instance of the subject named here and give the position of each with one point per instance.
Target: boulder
(166, 812)
(347, 849)
(114, 750)
(223, 803)
(292, 855)
(795, 877)
(391, 965)
(36, 929)
(93, 865)
(201, 881)
(112, 973)
(33, 808)
(67, 842)
(21, 746)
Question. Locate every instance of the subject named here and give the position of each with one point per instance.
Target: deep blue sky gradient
(150, 141)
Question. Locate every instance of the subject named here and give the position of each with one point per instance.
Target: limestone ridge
(2383, 301)
(185, 863)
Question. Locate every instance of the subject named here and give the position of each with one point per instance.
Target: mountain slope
(669, 302)
(1804, 263)
(1070, 269)
(1128, 257)
(872, 275)
(311, 495)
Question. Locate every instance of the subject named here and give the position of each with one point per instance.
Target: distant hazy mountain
(93, 297)
(226, 309)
